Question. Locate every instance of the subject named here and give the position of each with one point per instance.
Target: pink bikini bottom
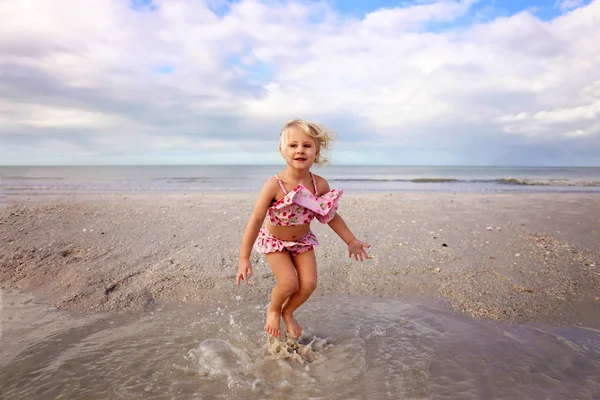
(267, 243)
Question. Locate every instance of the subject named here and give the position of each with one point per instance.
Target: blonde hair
(322, 136)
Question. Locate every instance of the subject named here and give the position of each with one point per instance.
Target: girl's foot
(293, 327)
(273, 319)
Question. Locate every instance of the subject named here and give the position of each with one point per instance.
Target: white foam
(216, 357)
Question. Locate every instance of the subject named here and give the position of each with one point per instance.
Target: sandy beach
(508, 257)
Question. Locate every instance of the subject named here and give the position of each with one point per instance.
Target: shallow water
(353, 348)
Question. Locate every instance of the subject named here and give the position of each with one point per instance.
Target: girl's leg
(306, 266)
(287, 283)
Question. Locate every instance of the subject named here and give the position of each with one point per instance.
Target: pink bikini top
(300, 205)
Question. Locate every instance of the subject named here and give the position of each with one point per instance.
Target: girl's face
(300, 149)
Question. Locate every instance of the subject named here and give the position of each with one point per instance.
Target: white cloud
(43, 116)
(565, 5)
(231, 80)
(412, 17)
(589, 112)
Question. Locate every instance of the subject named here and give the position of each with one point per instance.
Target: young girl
(292, 199)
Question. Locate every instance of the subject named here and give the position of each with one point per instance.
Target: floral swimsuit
(298, 207)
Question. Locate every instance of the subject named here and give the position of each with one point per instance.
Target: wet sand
(507, 257)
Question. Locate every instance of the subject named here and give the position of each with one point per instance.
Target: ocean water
(235, 178)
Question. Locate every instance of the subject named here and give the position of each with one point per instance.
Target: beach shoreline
(526, 257)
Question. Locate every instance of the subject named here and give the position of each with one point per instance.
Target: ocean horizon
(249, 178)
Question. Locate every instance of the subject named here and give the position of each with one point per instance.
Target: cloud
(413, 17)
(565, 5)
(192, 81)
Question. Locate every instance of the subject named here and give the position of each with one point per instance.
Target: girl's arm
(356, 248)
(254, 223)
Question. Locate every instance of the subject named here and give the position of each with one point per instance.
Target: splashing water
(299, 350)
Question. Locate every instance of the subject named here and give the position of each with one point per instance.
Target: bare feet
(273, 319)
(293, 327)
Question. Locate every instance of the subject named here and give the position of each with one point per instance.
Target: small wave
(513, 181)
(34, 178)
(502, 181)
(185, 178)
(188, 180)
(367, 180)
(546, 182)
(194, 178)
(413, 180)
(434, 180)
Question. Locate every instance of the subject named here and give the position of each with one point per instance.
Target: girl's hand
(244, 270)
(357, 248)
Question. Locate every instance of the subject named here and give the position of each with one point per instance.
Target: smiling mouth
(300, 159)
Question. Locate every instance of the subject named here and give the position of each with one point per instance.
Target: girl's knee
(309, 286)
(289, 286)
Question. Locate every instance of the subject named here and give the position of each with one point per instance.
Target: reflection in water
(354, 348)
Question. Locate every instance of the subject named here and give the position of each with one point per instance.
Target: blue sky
(545, 9)
(458, 82)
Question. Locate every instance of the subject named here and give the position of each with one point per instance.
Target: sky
(412, 82)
